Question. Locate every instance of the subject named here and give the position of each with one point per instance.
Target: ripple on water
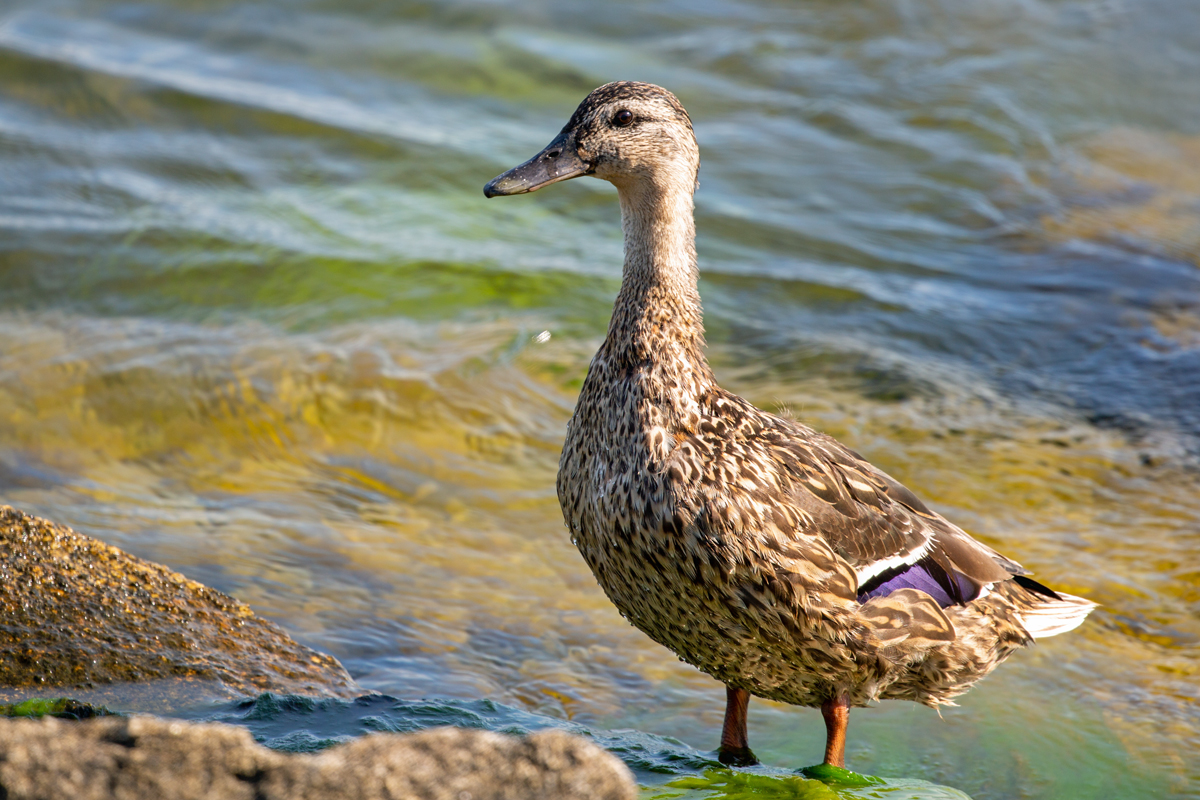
(665, 767)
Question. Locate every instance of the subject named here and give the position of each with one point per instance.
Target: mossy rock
(62, 707)
(80, 613)
(840, 776)
(822, 782)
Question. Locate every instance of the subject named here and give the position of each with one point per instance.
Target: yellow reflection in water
(1136, 184)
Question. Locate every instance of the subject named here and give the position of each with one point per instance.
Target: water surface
(258, 323)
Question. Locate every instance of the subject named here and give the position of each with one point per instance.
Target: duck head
(628, 133)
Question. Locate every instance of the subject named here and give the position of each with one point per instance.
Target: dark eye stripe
(623, 117)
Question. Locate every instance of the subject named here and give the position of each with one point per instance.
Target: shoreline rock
(60, 707)
(130, 758)
(80, 613)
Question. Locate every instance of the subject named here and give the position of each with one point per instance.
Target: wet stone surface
(119, 758)
(79, 613)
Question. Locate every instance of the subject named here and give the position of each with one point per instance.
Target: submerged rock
(123, 758)
(78, 613)
(62, 707)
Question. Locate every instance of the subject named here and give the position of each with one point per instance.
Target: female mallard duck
(759, 550)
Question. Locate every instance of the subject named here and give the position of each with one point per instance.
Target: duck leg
(735, 746)
(836, 712)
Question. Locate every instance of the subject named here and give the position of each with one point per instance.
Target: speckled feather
(739, 539)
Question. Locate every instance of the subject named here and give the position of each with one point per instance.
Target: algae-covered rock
(78, 612)
(62, 707)
(123, 758)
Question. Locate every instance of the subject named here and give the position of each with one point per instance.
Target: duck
(757, 549)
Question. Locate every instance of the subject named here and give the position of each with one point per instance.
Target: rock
(456, 764)
(130, 758)
(62, 707)
(78, 612)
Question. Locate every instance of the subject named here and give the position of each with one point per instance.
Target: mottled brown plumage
(759, 550)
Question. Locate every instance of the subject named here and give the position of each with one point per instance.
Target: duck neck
(657, 317)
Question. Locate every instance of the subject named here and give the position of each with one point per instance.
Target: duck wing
(877, 525)
(888, 536)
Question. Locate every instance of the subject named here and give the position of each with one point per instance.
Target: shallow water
(258, 323)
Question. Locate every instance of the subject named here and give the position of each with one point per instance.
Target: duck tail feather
(1052, 617)
(1030, 585)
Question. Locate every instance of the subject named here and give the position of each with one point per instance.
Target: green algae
(62, 707)
(830, 783)
(731, 785)
(839, 776)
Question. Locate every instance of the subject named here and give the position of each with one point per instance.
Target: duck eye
(623, 117)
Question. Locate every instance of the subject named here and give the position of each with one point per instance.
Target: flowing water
(258, 323)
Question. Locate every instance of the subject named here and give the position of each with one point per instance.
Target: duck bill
(559, 161)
